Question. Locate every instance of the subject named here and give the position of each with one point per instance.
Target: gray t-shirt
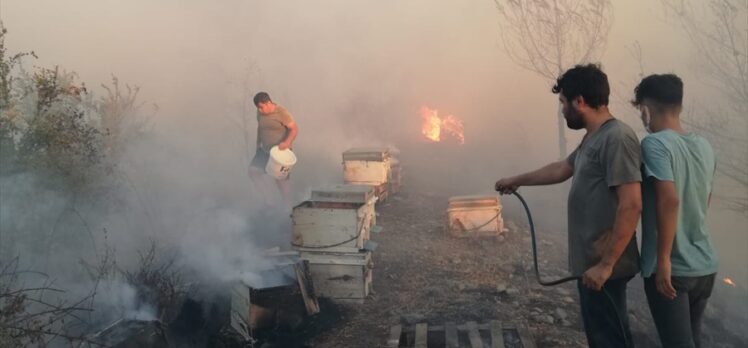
(606, 158)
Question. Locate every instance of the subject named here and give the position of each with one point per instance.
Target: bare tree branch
(549, 36)
(718, 29)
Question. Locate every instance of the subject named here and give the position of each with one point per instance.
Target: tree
(718, 29)
(7, 64)
(549, 36)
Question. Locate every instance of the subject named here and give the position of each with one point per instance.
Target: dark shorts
(260, 160)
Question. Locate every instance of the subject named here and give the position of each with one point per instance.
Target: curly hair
(588, 81)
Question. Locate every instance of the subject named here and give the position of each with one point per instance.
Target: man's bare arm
(553, 173)
(293, 131)
(627, 217)
(624, 227)
(667, 203)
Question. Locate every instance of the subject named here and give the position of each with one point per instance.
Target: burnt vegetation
(59, 141)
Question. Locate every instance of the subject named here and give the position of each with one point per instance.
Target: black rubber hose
(535, 249)
(565, 279)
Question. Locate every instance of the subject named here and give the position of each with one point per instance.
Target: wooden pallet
(494, 334)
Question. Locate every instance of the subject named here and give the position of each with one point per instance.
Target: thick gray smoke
(352, 73)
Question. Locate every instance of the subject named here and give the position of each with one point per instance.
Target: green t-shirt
(688, 161)
(272, 128)
(607, 158)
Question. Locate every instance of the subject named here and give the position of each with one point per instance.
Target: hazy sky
(351, 72)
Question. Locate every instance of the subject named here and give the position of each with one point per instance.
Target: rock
(548, 319)
(456, 260)
(568, 299)
(563, 291)
(501, 288)
(565, 323)
(500, 238)
(434, 291)
(561, 314)
(512, 291)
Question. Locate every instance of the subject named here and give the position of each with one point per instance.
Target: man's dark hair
(588, 81)
(665, 90)
(261, 97)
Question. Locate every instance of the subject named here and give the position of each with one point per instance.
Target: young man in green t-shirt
(678, 261)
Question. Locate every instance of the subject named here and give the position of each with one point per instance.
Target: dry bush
(158, 281)
(29, 317)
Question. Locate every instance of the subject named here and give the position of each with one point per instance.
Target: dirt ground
(423, 275)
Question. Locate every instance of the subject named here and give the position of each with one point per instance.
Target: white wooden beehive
(369, 166)
(348, 193)
(477, 215)
(342, 277)
(331, 226)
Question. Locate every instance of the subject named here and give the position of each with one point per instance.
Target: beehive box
(342, 277)
(331, 226)
(345, 193)
(257, 302)
(348, 193)
(241, 306)
(396, 175)
(477, 215)
(368, 165)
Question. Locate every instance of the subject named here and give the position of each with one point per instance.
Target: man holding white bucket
(275, 127)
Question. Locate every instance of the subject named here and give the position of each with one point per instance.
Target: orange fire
(729, 282)
(433, 125)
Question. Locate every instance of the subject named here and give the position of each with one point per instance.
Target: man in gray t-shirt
(606, 159)
(604, 203)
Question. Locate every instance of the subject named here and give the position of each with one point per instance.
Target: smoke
(352, 74)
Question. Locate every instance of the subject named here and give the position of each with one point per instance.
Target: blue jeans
(604, 314)
(678, 321)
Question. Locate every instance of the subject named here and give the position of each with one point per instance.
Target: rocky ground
(423, 275)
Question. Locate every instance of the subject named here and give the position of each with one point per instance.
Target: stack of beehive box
(331, 231)
(368, 166)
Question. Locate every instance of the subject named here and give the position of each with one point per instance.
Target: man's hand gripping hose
(565, 279)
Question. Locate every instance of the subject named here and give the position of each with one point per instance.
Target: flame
(433, 125)
(729, 282)
(455, 127)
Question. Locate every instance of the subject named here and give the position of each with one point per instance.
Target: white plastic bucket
(280, 163)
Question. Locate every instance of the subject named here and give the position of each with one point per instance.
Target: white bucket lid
(284, 157)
